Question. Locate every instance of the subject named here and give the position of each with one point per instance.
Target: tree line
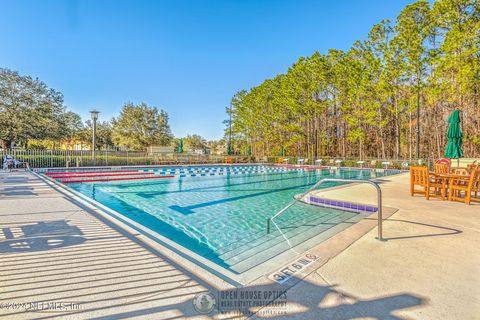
(386, 97)
(34, 115)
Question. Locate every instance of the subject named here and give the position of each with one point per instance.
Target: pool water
(217, 215)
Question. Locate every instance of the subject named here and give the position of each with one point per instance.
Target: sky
(186, 57)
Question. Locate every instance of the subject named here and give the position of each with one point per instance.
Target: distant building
(81, 146)
(220, 149)
(204, 150)
(160, 149)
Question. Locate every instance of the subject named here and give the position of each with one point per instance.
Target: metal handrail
(297, 199)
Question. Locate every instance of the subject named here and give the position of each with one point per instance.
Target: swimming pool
(220, 212)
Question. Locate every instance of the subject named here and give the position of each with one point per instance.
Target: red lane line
(100, 175)
(86, 172)
(117, 179)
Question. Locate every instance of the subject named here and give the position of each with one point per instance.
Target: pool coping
(324, 252)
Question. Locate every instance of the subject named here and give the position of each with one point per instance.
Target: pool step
(281, 250)
(295, 236)
(259, 264)
(292, 229)
(288, 221)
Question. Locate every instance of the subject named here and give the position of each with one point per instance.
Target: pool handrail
(371, 182)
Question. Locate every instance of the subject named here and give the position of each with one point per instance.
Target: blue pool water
(210, 214)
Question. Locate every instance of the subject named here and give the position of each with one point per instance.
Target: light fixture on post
(94, 113)
(229, 147)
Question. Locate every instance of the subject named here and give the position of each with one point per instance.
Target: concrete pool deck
(54, 248)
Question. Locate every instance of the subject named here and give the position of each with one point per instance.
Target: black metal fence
(42, 158)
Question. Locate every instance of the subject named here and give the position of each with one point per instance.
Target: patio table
(444, 179)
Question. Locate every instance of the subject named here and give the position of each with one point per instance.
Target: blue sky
(186, 57)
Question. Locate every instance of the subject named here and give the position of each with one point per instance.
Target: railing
(54, 158)
(297, 199)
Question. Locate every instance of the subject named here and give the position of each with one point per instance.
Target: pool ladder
(297, 199)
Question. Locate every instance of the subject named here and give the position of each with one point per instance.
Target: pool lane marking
(117, 179)
(99, 175)
(50, 173)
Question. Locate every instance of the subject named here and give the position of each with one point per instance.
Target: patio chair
(471, 166)
(465, 186)
(441, 168)
(419, 176)
(460, 171)
(446, 161)
(7, 164)
(10, 162)
(302, 161)
(476, 186)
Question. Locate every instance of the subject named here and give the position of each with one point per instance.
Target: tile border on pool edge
(337, 204)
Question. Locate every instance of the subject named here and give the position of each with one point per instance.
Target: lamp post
(230, 133)
(94, 113)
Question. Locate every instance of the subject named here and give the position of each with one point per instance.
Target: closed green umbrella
(454, 135)
(180, 146)
(229, 149)
(282, 151)
(249, 150)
